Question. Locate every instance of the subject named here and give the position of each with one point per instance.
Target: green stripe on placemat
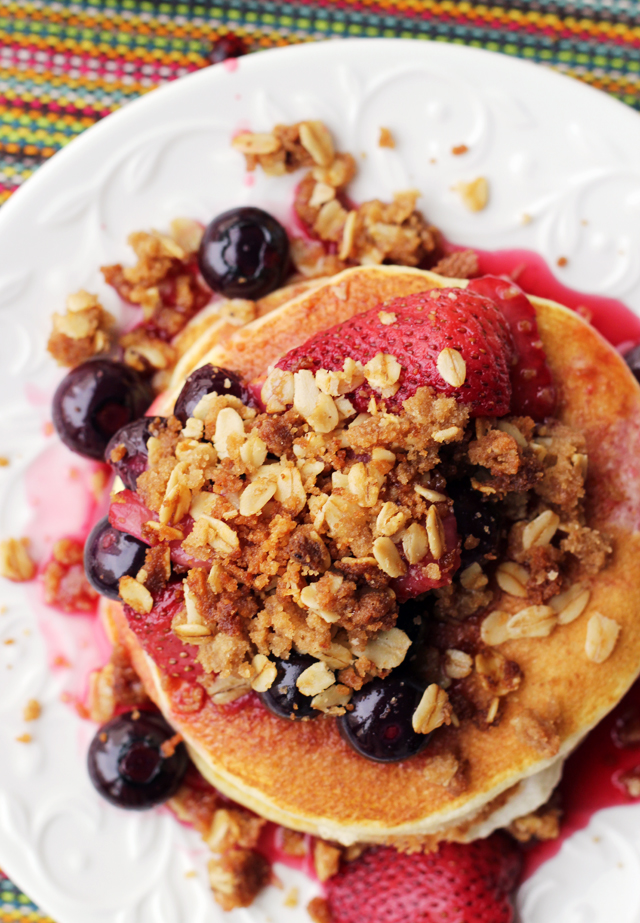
(15, 907)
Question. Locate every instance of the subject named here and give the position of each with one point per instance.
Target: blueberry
(109, 555)
(94, 401)
(244, 253)
(413, 616)
(126, 763)
(228, 46)
(379, 727)
(134, 436)
(209, 379)
(477, 518)
(284, 698)
(632, 358)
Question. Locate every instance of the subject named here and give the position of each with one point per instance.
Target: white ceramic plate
(551, 148)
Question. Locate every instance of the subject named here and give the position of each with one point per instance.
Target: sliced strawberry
(460, 883)
(417, 580)
(128, 513)
(153, 630)
(425, 324)
(533, 391)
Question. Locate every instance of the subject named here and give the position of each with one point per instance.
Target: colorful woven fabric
(64, 65)
(15, 907)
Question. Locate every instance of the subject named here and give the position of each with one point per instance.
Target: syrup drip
(591, 779)
(611, 318)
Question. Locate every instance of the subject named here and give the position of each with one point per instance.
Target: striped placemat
(66, 64)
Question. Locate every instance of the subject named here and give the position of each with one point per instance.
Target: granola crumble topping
(298, 524)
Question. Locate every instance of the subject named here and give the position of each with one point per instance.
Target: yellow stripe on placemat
(15, 907)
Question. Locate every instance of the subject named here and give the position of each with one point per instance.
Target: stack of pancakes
(302, 774)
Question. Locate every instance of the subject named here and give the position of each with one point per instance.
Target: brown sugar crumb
(83, 332)
(195, 804)
(165, 285)
(463, 264)
(291, 898)
(293, 843)
(318, 910)
(68, 551)
(101, 701)
(234, 829)
(237, 877)
(24, 739)
(543, 824)
(326, 859)
(538, 733)
(4, 461)
(562, 261)
(169, 746)
(156, 571)
(563, 454)
(15, 561)
(386, 139)
(629, 781)
(459, 149)
(116, 685)
(32, 710)
(145, 352)
(65, 583)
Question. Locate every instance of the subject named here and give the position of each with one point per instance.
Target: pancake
(469, 779)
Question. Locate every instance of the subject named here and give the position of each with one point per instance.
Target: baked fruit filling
(356, 534)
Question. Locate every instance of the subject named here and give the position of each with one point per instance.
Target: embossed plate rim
(320, 67)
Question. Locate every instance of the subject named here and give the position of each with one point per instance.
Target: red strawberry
(153, 630)
(128, 513)
(460, 883)
(417, 581)
(425, 324)
(534, 393)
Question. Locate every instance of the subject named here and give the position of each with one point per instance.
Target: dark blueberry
(413, 616)
(284, 698)
(632, 358)
(227, 46)
(379, 727)
(244, 253)
(94, 401)
(209, 379)
(476, 518)
(126, 763)
(109, 555)
(134, 437)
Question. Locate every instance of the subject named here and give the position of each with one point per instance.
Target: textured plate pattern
(564, 182)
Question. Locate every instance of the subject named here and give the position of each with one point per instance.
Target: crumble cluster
(84, 331)
(299, 525)
(303, 517)
(342, 235)
(165, 281)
